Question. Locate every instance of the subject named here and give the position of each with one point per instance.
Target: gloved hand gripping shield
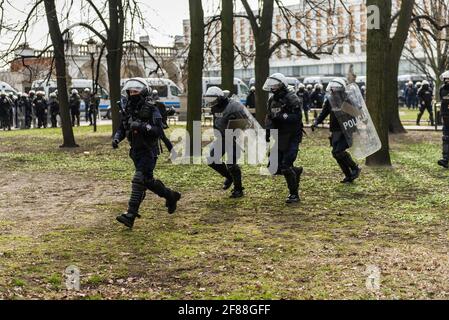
(355, 121)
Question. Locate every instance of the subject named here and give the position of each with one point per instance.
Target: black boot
(432, 120)
(171, 197)
(137, 196)
(341, 159)
(222, 169)
(227, 184)
(236, 176)
(128, 219)
(445, 161)
(290, 176)
(299, 171)
(419, 119)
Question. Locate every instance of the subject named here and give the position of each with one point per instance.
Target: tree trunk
(195, 67)
(377, 55)
(58, 47)
(261, 72)
(227, 45)
(391, 96)
(262, 37)
(114, 58)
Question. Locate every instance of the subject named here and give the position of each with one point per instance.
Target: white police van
(49, 86)
(7, 88)
(168, 91)
(240, 88)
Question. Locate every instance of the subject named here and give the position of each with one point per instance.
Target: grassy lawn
(58, 208)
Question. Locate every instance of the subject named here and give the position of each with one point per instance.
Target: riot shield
(250, 136)
(355, 121)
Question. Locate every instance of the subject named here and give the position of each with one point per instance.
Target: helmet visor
(272, 84)
(135, 86)
(210, 101)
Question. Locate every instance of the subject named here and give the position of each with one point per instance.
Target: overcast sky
(165, 17)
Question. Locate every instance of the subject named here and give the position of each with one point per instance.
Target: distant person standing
(86, 99)
(303, 96)
(410, 95)
(251, 100)
(54, 109)
(425, 98)
(74, 103)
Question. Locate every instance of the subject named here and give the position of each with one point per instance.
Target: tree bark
(227, 45)
(195, 67)
(383, 56)
(262, 38)
(60, 64)
(114, 56)
(377, 44)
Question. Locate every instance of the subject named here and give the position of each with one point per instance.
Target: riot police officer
(304, 98)
(23, 109)
(251, 100)
(142, 126)
(317, 96)
(54, 109)
(74, 104)
(425, 98)
(339, 142)
(444, 95)
(410, 95)
(41, 108)
(224, 110)
(164, 113)
(284, 114)
(12, 110)
(32, 115)
(5, 109)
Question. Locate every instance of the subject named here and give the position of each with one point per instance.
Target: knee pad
(138, 181)
(233, 168)
(339, 155)
(287, 171)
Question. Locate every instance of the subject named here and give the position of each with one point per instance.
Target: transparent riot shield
(355, 121)
(249, 135)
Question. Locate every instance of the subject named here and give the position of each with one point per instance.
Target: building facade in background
(312, 32)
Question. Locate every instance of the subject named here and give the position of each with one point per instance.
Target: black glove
(115, 143)
(135, 125)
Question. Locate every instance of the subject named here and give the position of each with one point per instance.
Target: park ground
(58, 208)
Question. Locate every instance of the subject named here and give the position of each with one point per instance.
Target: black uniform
(142, 126)
(425, 98)
(339, 144)
(32, 114)
(444, 95)
(223, 112)
(5, 109)
(317, 98)
(304, 98)
(54, 111)
(74, 103)
(251, 102)
(285, 115)
(12, 110)
(23, 111)
(41, 108)
(164, 114)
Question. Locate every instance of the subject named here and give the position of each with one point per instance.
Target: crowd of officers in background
(35, 110)
(419, 96)
(312, 97)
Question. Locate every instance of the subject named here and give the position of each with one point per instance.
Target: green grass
(58, 208)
